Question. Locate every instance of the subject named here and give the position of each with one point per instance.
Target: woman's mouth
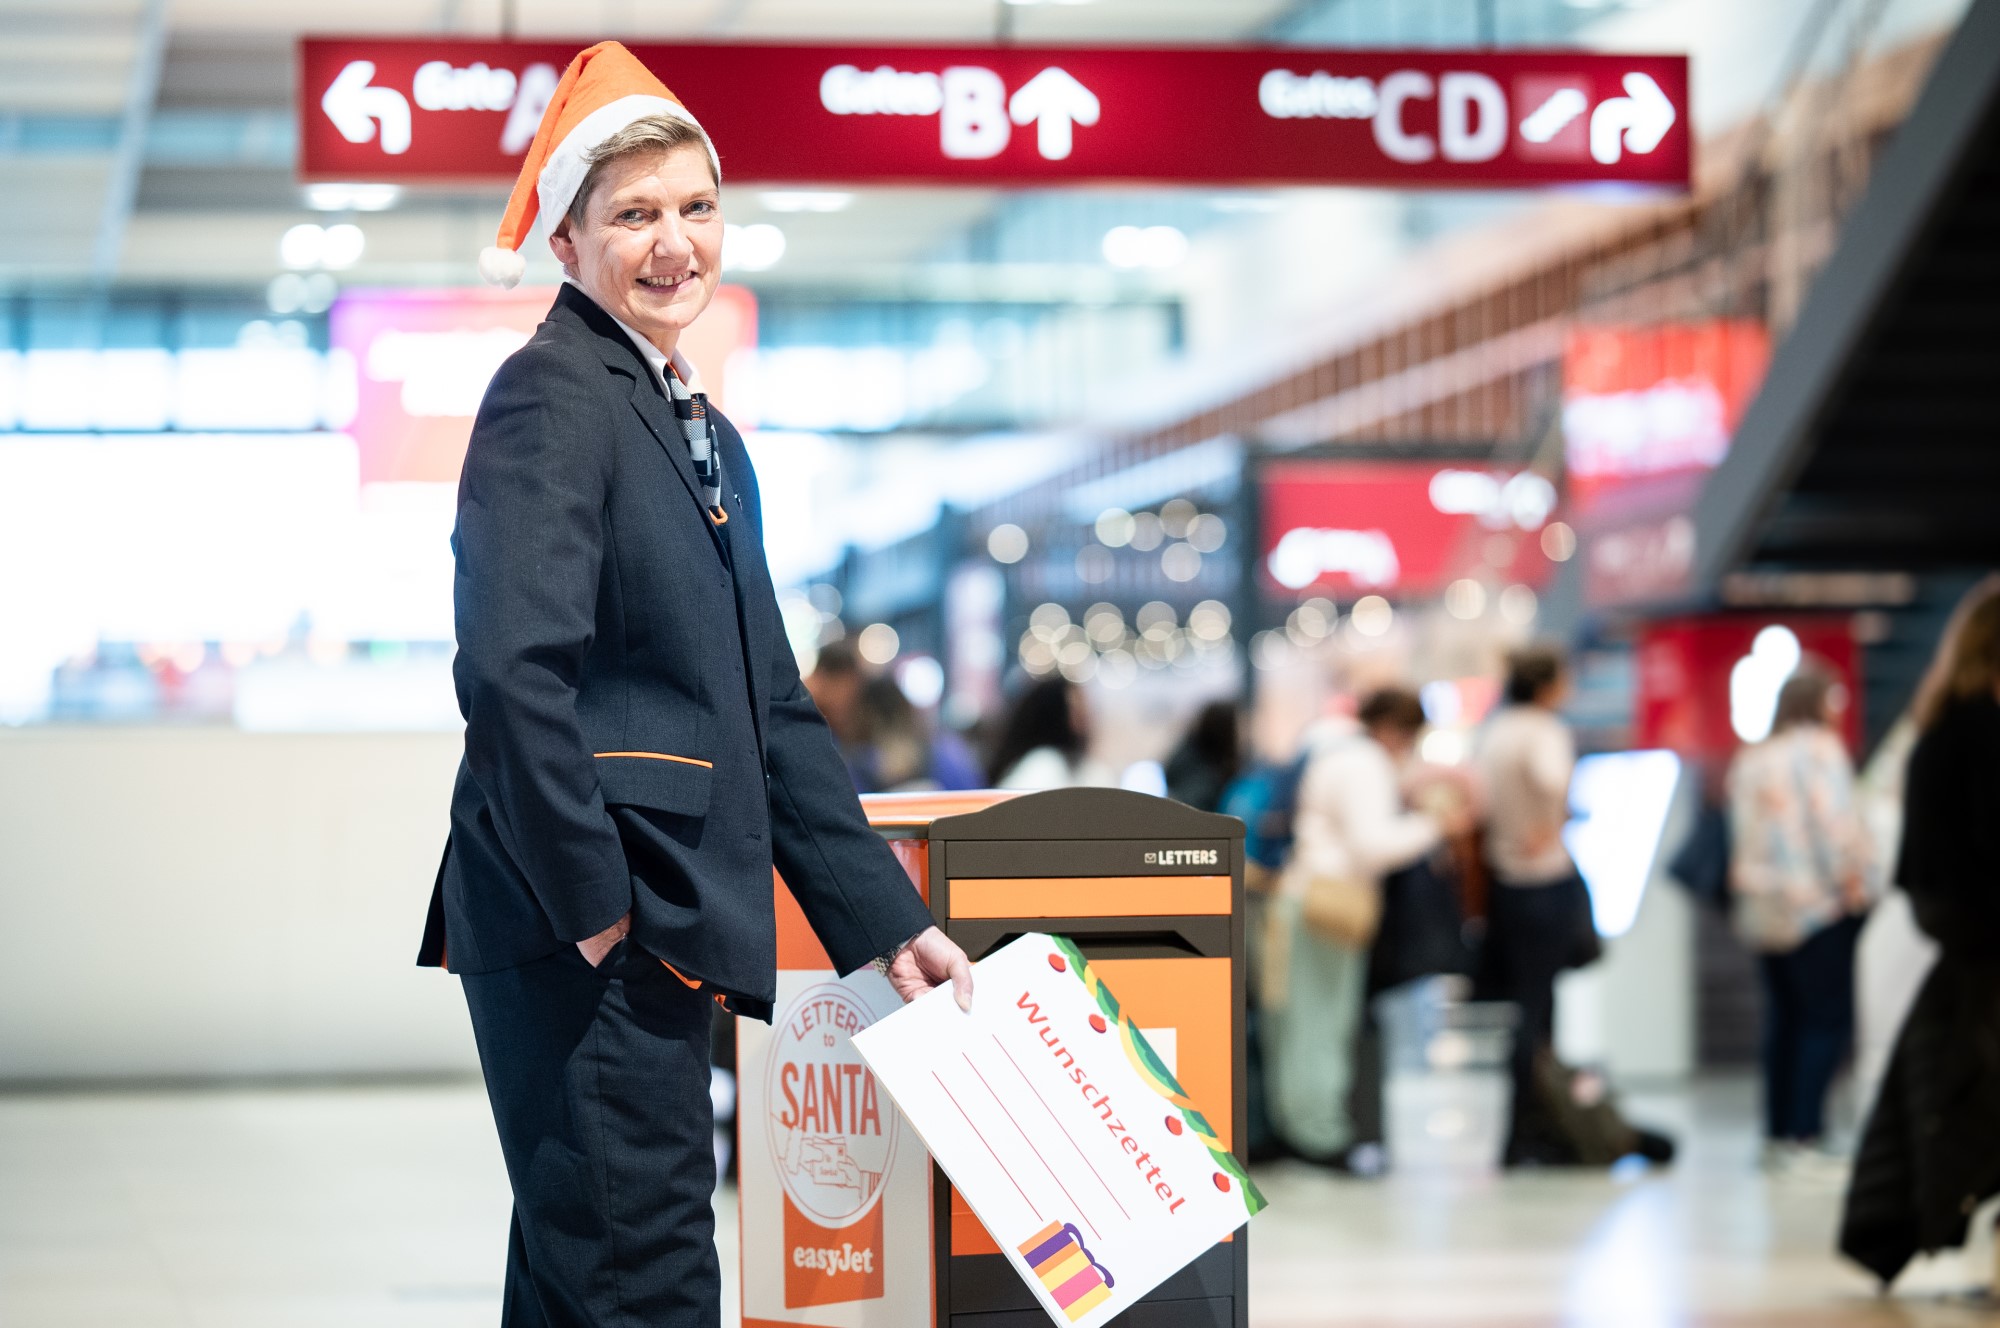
(666, 285)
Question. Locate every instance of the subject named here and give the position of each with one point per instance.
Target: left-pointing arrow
(355, 108)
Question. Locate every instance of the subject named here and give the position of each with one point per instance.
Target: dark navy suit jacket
(636, 734)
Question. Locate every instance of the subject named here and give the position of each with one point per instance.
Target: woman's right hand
(598, 946)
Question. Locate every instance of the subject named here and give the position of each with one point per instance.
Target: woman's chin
(672, 312)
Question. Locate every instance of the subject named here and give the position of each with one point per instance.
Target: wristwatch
(883, 961)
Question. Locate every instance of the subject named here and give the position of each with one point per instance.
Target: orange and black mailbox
(845, 1222)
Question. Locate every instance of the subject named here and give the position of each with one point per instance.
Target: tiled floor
(386, 1207)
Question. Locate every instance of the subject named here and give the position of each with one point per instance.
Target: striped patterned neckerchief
(691, 410)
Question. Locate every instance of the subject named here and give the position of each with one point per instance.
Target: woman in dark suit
(639, 750)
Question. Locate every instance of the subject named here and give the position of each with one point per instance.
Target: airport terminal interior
(1445, 550)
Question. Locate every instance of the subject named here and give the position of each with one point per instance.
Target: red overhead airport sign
(450, 110)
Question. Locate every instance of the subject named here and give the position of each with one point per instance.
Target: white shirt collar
(659, 362)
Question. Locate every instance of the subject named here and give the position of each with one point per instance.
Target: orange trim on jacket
(661, 756)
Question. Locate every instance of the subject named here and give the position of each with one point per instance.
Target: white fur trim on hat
(501, 267)
(556, 186)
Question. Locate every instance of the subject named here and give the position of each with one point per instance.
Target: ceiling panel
(771, 20)
(49, 213)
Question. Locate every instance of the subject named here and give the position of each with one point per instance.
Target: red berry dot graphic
(1222, 1182)
(1058, 963)
(1174, 1125)
(1097, 1022)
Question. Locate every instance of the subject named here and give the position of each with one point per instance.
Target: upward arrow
(353, 106)
(1639, 119)
(1053, 100)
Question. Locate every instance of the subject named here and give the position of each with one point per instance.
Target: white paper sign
(1063, 1129)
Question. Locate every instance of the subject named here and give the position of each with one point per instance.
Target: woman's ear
(563, 246)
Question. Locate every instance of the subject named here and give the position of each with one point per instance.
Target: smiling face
(648, 243)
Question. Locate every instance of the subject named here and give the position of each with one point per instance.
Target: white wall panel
(179, 902)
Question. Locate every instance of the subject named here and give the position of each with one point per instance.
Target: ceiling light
(340, 247)
(1007, 543)
(300, 245)
(1144, 246)
(317, 292)
(352, 197)
(805, 200)
(878, 643)
(752, 248)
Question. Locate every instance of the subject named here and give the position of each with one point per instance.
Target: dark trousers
(599, 1085)
(1533, 933)
(1808, 1028)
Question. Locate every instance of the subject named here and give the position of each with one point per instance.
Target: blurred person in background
(835, 687)
(639, 752)
(1799, 883)
(1350, 828)
(1894, 956)
(1539, 920)
(1208, 758)
(1045, 742)
(1930, 1155)
(899, 751)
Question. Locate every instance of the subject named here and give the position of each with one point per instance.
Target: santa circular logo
(833, 1129)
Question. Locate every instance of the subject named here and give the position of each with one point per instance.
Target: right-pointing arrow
(354, 107)
(1053, 99)
(1636, 121)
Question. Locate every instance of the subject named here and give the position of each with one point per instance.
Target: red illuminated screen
(437, 108)
(1352, 528)
(1653, 404)
(1685, 672)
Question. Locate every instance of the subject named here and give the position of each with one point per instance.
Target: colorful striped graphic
(1078, 1283)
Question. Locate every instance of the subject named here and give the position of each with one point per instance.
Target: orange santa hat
(604, 89)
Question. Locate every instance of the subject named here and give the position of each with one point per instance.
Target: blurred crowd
(1870, 901)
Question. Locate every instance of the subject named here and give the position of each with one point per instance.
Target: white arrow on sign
(1054, 100)
(1638, 120)
(354, 107)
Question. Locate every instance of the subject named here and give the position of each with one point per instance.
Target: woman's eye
(701, 207)
(631, 216)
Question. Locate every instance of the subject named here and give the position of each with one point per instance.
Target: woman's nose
(671, 241)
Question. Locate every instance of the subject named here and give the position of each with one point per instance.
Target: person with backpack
(1351, 828)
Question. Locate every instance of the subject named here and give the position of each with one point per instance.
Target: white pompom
(501, 267)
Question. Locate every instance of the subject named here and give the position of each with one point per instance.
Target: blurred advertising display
(295, 580)
(217, 577)
(439, 108)
(270, 380)
(1648, 412)
(1647, 403)
(1708, 684)
(1359, 527)
(422, 359)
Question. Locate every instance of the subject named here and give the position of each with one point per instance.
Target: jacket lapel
(621, 357)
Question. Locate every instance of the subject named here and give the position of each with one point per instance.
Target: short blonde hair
(652, 134)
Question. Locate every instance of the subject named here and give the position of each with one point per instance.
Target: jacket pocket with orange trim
(664, 782)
